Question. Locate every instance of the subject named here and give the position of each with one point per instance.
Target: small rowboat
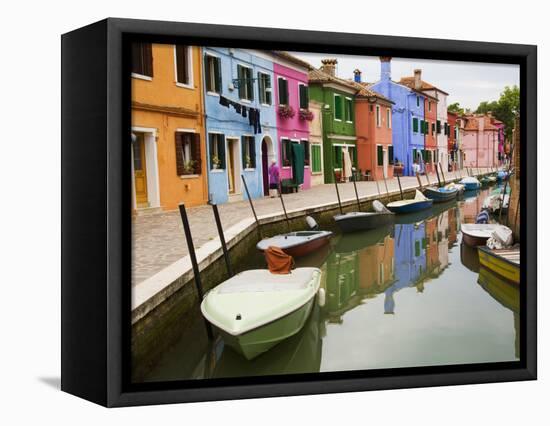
(477, 234)
(470, 183)
(255, 310)
(363, 221)
(440, 195)
(459, 187)
(503, 262)
(419, 202)
(297, 244)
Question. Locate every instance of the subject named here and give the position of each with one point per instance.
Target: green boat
(255, 310)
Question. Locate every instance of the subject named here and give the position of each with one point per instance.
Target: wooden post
(378, 189)
(222, 239)
(386, 185)
(419, 181)
(283, 204)
(442, 174)
(437, 174)
(337, 192)
(194, 263)
(400, 190)
(252, 207)
(356, 193)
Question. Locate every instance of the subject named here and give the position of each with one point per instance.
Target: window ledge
(142, 77)
(185, 86)
(246, 101)
(217, 170)
(250, 169)
(213, 94)
(189, 176)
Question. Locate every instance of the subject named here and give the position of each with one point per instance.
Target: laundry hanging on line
(253, 114)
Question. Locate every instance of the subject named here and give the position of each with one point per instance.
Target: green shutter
(316, 158)
(390, 153)
(337, 107)
(415, 125)
(380, 155)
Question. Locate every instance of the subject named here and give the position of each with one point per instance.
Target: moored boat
(419, 202)
(440, 195)
(255, 310)
(470, 183)
(297, 244)
(503, 262)
(363, 221)
(477, 234)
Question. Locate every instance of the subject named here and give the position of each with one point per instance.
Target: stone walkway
(158, 240)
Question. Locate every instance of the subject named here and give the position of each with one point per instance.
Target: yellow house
(168, 143)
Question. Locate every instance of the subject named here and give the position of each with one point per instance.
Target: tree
(456, 108)
(505, 109)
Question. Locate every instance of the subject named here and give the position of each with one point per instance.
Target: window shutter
(221, 150)
(137, 59)
(179, 154)
(182, 71)
(380, 155)
(252, 142)
(415, 124)
(438, 126)
(217, 76)
(207, 75)
(148, 59)
(196, 153)
(390, 154)
(242, 81)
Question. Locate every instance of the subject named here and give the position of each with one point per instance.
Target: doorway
(385, 163)
(140, 171)
(267, 157)
(233, 166)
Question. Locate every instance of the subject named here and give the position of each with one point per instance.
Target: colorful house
(293, 118)
(441, 125)
(373, 126)
(429, 155)
(480, 141)
(168, 139)
(502, 154)
(338, 119)
(453, 141)
(316, 143)
(408, 126)
(240, 121)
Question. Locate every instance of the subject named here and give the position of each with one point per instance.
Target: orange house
(168, 142)
(373, 118)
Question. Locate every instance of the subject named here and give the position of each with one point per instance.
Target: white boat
(255, 310)
(470, 183)
(494, 201)
(477, 234)
(419, 202)
(298, 243)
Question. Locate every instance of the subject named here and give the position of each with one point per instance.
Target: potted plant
(286, 111)
(189, 167)
(306, 115)
(215, 162)
(248, 162)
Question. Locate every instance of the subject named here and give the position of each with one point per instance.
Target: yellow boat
(504, 262)
(503, 291)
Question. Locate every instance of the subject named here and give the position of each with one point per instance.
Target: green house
(337, 98)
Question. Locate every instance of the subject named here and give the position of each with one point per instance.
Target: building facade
(293, 118)
(407, 116)
(480, 141)
(168, 139)
(316, 165)
(240, 121)
(373, 124)
(338, 120)
(452, 141)
(429, 154)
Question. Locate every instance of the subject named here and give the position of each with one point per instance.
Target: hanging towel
(298, 163)
(347, 164)
(278, 262)
(243, 112)
(224, 101)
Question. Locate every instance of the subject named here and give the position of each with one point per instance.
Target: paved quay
(158, 240)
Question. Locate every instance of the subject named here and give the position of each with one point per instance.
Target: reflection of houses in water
(432, 246)
(453, 226)
(410, 260)
(342, 284)
(377, 266)
(470, 208)
(443, 239)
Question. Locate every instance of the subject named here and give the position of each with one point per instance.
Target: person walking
(273, 179)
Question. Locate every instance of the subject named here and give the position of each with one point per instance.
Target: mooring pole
(378, 189)
(252, 206)
(503, 198)
(222, 239)
(442, 174)
(437, 174)
(337, 191)
(283, 204)
(400, 190)
(419, 181)
(386, 185)
(194, 263)
(356, 194)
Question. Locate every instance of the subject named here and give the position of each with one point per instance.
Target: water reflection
(403, 285)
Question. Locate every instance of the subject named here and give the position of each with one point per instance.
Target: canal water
(406, 295)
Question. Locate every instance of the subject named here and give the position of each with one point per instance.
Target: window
(438, 126)
(338, 157)
(349, 110)
(264, 88)
(429, 105)
(415, 124)
(433, 129)
(283, 91)
(428, 156)
(417, 248)
(422, 126)
(142, 59)
(316, 158)
(183, 64)
(248, 146)
(304, 96)
(287, 146)
(217, 150)
(418, 101)
(415, 154)
(188, 153)
(378, 118)
(338, 113)
(388, 118)
(379, 155)
(246, 84)
(305, 144)
(456, 132)
(213, 77)
(390, 154)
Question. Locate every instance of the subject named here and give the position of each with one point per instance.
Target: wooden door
(140, 171)
(231, 144)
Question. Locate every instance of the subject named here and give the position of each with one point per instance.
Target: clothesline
(253, 114)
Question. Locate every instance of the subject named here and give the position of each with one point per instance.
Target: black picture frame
(96, 211)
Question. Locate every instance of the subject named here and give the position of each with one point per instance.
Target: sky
(468, 83)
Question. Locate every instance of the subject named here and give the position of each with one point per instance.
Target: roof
(292, 58)
(364, 91)
(472, 122)
(317, 76)
(409, 82)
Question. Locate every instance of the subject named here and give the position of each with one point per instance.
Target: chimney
(417, 79)
(385, 68)
(329, 66)
(357, 75)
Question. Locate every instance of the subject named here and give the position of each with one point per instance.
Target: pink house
(480, 141)
(293, 118)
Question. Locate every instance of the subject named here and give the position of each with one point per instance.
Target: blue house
(410, 260)
(408, 125)
(240, 122)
